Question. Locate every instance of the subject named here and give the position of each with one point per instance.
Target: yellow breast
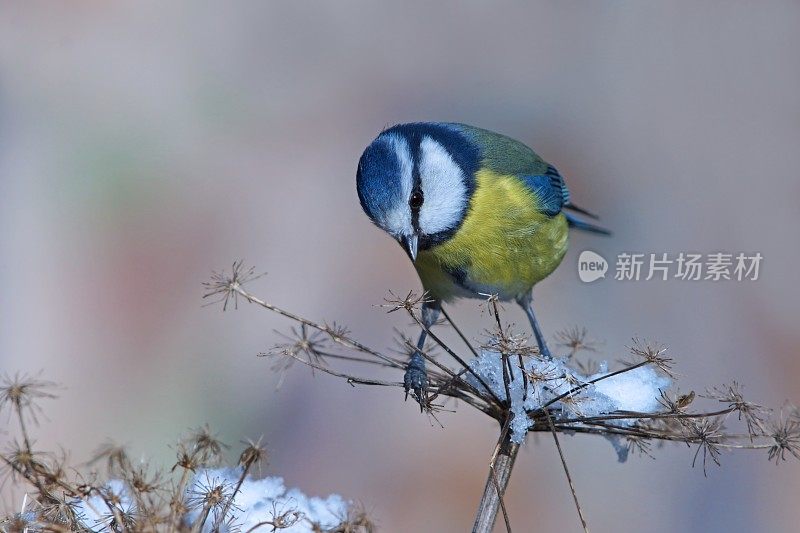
(504, 246)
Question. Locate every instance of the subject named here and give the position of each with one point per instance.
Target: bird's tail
(585, 226)
(582, 211)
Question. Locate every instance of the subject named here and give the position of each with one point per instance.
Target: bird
(477, 212)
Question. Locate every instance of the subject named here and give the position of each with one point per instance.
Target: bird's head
(415, 182)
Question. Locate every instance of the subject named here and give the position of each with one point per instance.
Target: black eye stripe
(416, 200)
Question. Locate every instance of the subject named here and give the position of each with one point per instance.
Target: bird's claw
(416, 378)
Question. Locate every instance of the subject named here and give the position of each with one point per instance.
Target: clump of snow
(256, 502)
(262, 500)
(634, 390)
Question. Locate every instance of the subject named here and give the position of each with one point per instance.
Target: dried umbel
(507, 379)
(195, 494)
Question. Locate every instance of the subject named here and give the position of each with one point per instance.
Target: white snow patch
(634, 390)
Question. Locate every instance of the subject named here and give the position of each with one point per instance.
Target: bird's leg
(416, 377)
(526, 302)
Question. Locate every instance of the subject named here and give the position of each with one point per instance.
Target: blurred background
(143, 144)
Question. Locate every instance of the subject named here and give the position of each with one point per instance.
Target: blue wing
(508, 156)
(550, 189)
(553, 196)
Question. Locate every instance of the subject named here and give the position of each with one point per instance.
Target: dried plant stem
(553, 409)
(336, 336)
(460, 334)
(229, 502)
(351, 379)
(23, 430)
(458, 359)
(500, 468)
(566, 471)
(200, 522)
(174, 515)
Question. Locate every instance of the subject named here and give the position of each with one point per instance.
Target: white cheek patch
(397, 220)
(443, 187)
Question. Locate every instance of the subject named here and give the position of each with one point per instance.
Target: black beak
(410, 243)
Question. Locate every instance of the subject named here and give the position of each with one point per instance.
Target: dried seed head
(212, 496)
(253, 454)
(204, 447)
(186, 459)
(115, 457)
(707, 434)
(545, 373)
(653, 354)
(283, 518)
(19, 461)
(337, 332)
(143, 481)
(785, 433)
(504, 341)
(302, 344)
(61, 512)
(224, 287)
(411, 302)
(22, 392)
(177, 505)
(753, 414)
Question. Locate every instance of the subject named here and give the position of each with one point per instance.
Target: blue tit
(476, 211)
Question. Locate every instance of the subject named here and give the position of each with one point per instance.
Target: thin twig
(455, 356)
(460, 334)
(336, 336)
(566, 471)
